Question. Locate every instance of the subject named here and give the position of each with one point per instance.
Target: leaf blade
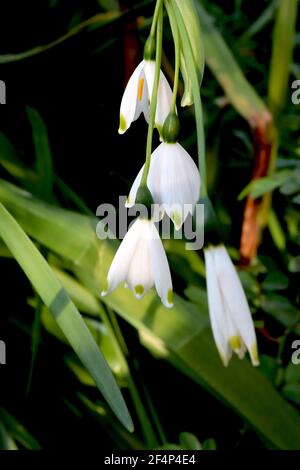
(67, 316)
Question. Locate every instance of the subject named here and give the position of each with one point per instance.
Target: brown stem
(262, 126)
(131, 45)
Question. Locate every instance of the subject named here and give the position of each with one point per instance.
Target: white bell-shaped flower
(230, 316)
(137, 96)
(141, 263)
(173, 180)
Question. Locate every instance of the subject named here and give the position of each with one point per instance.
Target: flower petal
(140, 277)
(160, 267)
(216, 308)
(152, 180)
(236, 301)
(164, 97)
(131, 104)
(130, 202)
(179, 181)
(121, 262)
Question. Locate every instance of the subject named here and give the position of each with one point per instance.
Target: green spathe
(150, 48)
(171, 129)
(144, 196)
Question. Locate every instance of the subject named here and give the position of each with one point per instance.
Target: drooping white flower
(230, 316)
(173, 180)
(137, 96)
(141, 263)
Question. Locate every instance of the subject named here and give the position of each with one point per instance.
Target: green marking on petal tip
(123, 124)
(139, 289)
(170, 296)
(177, 219)
(254, 355)
(105, 289)
(235, 343)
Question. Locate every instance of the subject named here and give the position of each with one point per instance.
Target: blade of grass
(85, 300)
(100, 18)
(72, 197)
(43, 157)
(249, 105)
(282, 51)
(17, 431)
(10, 161)
(67, 316)
(223, 65)
(35, 340)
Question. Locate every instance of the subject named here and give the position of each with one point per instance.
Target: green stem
(109, 319)
(147, 429)
(153, 104)
(155, 417)
(177, 66)
(192, 70)
(116, 330)
(157, 10)
(282, 51)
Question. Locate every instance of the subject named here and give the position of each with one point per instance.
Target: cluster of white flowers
(173, 180)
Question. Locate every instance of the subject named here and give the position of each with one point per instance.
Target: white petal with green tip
(141, 263)
(230, 315)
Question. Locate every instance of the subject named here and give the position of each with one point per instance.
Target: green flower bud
(144, 197)
(171, 128)
(150, 48)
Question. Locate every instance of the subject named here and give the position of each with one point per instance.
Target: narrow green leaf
(43, 163)
(266, 16)
(10, 161)
(276, 231)
(261, 186)
(35, 339)
(84, 300)
(67, 316)
(283, 43)
(222, 63)
(99, 19)
(6, 441)
(71, 196)
(193, 28)
(17, 431)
